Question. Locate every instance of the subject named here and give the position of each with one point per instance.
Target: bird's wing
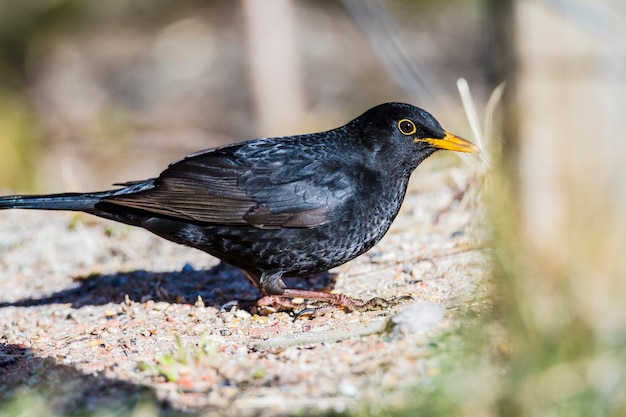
(262, 183)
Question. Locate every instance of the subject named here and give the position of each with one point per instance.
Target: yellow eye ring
(407, 127)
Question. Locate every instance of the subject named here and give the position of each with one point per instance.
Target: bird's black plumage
(274, 207)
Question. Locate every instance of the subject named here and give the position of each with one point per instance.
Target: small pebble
(348, 389)
(419, 317)
(242, 314)
(457, 233)
(199, 302)
(113, 330)
(160, 306)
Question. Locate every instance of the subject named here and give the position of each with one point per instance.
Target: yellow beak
(451, 142)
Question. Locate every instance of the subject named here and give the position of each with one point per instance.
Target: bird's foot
(296, 300)
(266, 305)
(340, 302)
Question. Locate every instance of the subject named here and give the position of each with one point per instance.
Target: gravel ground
(97, 314)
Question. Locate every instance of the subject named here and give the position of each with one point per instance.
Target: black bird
(274, 207)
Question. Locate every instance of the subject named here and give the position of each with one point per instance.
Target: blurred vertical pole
(499, 54)
(564, 272)
(274, 65)
(564, 124)
(572, 81)
(545, 98)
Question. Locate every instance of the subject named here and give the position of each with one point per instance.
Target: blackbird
(274, 207)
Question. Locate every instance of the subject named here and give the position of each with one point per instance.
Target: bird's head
(408, 133)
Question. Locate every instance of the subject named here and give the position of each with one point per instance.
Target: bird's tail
(71, 201)
(66, 201)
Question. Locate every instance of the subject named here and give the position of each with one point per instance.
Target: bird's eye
(407, 127)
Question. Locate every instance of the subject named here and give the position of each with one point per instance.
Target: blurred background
(93, 93)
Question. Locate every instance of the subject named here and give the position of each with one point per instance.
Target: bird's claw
(294, 300)
(352, 304)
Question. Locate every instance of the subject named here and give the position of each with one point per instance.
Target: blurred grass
(23, 24)
(19, 141)
(545, 349)
(562, 362)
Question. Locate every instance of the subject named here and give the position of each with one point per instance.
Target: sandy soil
(97, 314)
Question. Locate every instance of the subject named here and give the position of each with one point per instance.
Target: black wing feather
(262, 183)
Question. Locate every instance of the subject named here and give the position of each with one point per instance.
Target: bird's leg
(277, 296)
(341, 301)
(333, 301)
(272, 287)
(271, 283)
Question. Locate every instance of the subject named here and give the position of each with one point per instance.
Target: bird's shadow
(64, 389)
(216, 286)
